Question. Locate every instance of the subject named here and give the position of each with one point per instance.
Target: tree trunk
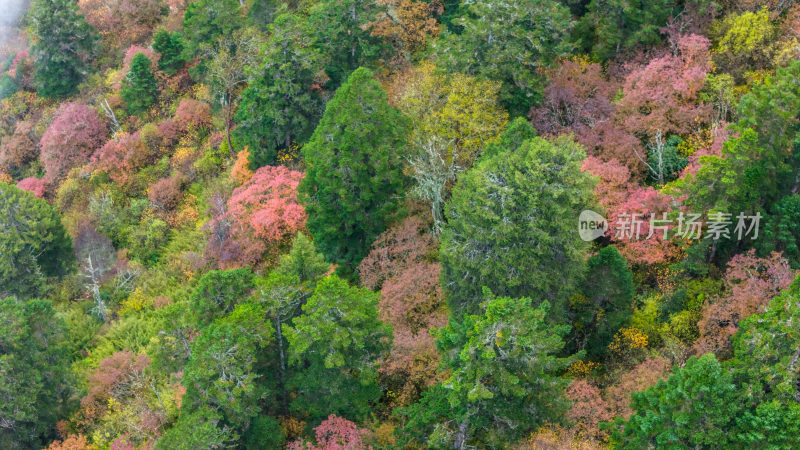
(282, 371)
(713, 252)
(185, 344)
(461, 437)
(228, 122)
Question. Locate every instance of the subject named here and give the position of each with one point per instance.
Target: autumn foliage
(72, 137)
(750, 283)
(335, 433)
(411, 300)
(261, 213)
(122, 22)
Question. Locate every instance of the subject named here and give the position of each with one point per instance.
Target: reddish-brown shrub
(588, 408)
(411, 300)
(19, 148)
(165, 194)
(116, 377)
(192, 113)
(122, 22)
(122, 156)
(71, 442)
(641, 377)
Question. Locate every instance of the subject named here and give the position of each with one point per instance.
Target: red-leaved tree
(19, 148)
(74, 134)
(261, 213)
(71, 442)
(588, 408)
(122, 22)
(400, 266)
(614, 181)
(122, 156)
(334, 433)
(116, 377)
(192, 113)
(750, 283)
(663, 95)
(641, 377)
(577, 100)
(629, 227)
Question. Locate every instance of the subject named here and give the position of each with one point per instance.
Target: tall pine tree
(139, 89)
(283, 102)
(64, 45)
(511, 226)
(354, 173)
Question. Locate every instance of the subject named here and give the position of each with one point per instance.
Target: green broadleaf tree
(222, 372)
(34, 371)
(343, 33)
(218, 292)
(509, 41)
(283, 103)
(505, 378)
(283, 292)
(172, 48)
(605, 303)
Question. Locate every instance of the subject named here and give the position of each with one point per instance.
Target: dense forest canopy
(399, 224)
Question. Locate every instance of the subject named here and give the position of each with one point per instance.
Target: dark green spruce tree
(33, 243)
(354, 170)
(64, 45)
(139, 88)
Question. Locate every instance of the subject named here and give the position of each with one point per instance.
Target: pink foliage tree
(614, 181)
(578, 101)
(74, 134)
(750, 283)
(170, 130)
(35, 185)
(123, 156)
(19, 148)
(262, 212)
(15, 63)
(335, 433)
(411, 300)
(641, 377)
(663, 95)
(122, 443)
(629, 227)
(588, 408)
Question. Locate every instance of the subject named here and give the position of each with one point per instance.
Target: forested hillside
(399, 224)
